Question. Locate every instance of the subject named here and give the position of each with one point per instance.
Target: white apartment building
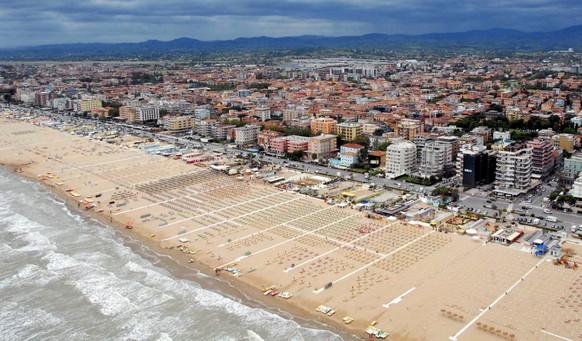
(433, 159)
(247, 135)
(400, 159)
(147, 113)
(264, 113)
(513, 170)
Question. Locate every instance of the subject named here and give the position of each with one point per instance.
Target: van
(574, 228)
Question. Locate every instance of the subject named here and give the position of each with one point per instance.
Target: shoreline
(178, 266)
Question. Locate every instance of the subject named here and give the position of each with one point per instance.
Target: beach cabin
(423, 214)
(506, 237)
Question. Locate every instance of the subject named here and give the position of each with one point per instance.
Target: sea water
(65, 276)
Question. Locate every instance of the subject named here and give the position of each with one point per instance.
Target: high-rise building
(400, 159)
(542, 158)
(433, 159)
(513, 170)
(42, 98)
(476, 165)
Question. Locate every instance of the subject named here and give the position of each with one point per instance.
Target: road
(473, 198)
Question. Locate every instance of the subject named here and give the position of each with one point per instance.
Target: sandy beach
(412, 282)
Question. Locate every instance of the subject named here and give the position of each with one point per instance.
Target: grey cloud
(135, 20)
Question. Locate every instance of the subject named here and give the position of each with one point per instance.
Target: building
(178, 123)
(265, 137)
(576, 191)
(201, 114)
(322, 147)
(420, 140)
(323, 125)
(573, 166)
(204, 127)
(542, 158)
(147, 113)
(408, 129)
(476, 165)
(453, 142)
(87, 104)
(263, 113)
(513, 170)
(400, 159)
(565, 141)
(349, 131)
(433, 159)
(246, 136)
(128, 113)
(501, 135)
(484, 132)
(42, 98)
(62, 103)
(220, 132)
(376, 158)
(349, 154)
(289, 144)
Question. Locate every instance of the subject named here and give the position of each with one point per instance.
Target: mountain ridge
(494, 38)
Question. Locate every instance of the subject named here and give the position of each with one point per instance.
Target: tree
(362, 140)
(297, 155)
(314, 156)
(113, 112)
(378, 132)
(445, 191)
(163, 112)
(384, 146)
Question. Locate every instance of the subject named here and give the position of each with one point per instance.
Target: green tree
(378, 132)
(384, 146)
(297, 155)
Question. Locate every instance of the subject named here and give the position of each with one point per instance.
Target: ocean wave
(23, 321)
(29, 275)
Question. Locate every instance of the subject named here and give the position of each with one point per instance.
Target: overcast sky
(35, 22)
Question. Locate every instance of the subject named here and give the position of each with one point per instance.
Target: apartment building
(542, 158)
(204, 128)
(476, 165)
(289, 144)
(323, 146)
(178, 123)
(349, 130)
(513, 170)
(263, 113)
(434, 157)
(265, 136)
(401, 159)
(220, 132)
(565, 141)
(87, 104)
(408, 129)
(246, 136)
(323, 125)
(349, 154)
